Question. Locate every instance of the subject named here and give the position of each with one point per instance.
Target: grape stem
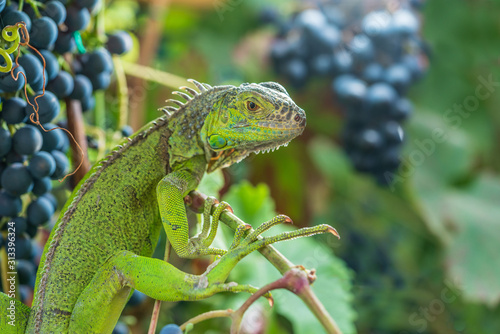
(195, 201)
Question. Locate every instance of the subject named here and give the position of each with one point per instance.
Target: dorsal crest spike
(198, 85)
(207, 86)
(190, 90)
(179, 103)
(183, 95)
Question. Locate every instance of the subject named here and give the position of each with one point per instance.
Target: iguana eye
(252, 106)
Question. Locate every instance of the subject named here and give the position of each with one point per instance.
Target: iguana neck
(187, 122)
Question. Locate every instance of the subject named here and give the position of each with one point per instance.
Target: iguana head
(248, 119)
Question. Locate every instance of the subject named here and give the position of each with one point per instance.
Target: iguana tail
(14, 315)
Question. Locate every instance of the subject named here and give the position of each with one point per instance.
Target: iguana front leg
(171, 191)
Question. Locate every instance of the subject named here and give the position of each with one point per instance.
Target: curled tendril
(10, 34)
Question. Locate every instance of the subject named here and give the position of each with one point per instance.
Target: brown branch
(76, 128)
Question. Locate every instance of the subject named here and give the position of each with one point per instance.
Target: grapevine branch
(195, 201)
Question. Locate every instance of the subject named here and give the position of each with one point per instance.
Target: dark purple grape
(27, 140)
(361, 48)
(55, 10)
(392, 132)
(16, 179)
(13, 111)
(23, 249)
(136, 298)
(373, 72)
(89, 4)
(51, 198)
(100, 81)
(48, 107)
(119, 42)
(42, 186)
(43, 33)
(77, 18)
(15, 16)
(62, 165)
(51, 63)
(405, 23)
(398, 77)
(32, 67)
(127, 131)
(41, 84)
(9, 84)
(326, 39)
(342, 62)
(380, 98)
(40, 211)
(349, 90)
(296, 70)
(9, 205)
(52, 140)
(171, 329)
(61, 85)
(378, 25)
(322, 64)
(311, 21)
(65, 42)
(120, 328)
(5, 142)
(99, 61)
(26, 272)
(88, 103)
(20, 225)
(402, 110)
(41, 165)
(82, 88)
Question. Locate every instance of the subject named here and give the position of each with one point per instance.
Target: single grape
(26, 272)
(41, 165)
(65, 42)
(171, 329)
(32, 67)
(136, 298)
(342, 62)
(296, 71)
(119, 42)
(322, 64)
(27, 140)
(99, 61)
(82, 88)
(402, 109)
(77, 18)
(9, 84)
(40, 211)
(13, 112)
(88, 103)
(48, 106)
(51, 63)
(372, 73)
(62, 165)
(9, 205)
(399, 77)
(16, 179)
(405, 23)
(361, 48)
(392, 132)
(61, 85)
(378, 25)
(52, 140)
(120, 328)
(127, 131)
(12, 17)
(51, 198)
(43, 33)
(350, 90)
(100, 81)
(55, 10)
(20, 225)
(23, 249)
(42, 186)
(380, 98)
(5, 142)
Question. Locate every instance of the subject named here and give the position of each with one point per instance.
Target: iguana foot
(254, 241)
(200, 244)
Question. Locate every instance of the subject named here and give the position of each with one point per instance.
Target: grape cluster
(372, 62)
(31, 158)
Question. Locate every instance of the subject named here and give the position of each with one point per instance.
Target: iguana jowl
(101, 246)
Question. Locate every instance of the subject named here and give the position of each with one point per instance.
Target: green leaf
(472, 256)
(333, 285)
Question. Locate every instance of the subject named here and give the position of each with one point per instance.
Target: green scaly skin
(101, 247)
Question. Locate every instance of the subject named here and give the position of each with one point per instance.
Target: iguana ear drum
(276, 86)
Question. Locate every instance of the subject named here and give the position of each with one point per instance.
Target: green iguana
(101, 247)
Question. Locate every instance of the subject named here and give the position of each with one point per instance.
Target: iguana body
(101, 247)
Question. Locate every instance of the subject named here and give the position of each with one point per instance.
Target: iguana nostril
(298, 118)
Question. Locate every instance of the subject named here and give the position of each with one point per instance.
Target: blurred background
(400, 154)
